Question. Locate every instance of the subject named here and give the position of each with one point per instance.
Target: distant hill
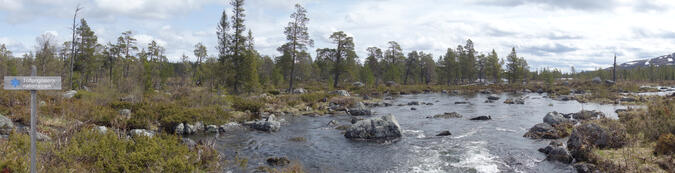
(658, 61)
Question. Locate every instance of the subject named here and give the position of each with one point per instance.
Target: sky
(547, 33)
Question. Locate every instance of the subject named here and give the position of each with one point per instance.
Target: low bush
(665, 145)
(253, 105)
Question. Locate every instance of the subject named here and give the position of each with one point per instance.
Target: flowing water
(496, 145)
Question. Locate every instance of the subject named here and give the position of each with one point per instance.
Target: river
(490, 146)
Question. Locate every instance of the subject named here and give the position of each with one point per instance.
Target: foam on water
(479, 158)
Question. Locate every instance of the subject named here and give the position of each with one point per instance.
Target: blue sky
(548, 33)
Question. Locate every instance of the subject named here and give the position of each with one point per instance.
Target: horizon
(583, 34)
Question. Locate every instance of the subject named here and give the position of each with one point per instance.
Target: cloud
(548, 49)
(586, 5)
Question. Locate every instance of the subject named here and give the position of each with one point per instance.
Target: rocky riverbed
(492, 145)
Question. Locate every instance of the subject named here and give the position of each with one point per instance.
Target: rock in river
(587, 115)
(384, 127)
(493, 97)
(482, 118)
(444, 133)
(544, 131)
(447, 115)
(268, 125)
(555, 118)
(278, 161)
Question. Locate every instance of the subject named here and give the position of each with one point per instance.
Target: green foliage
(253, 105)
(91, 150)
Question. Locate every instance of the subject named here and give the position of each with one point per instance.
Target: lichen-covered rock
(6, 125)
(101, 129)
(299, 91)
(385, 127)
(179, 129)
(141, 132)
(69, 94)
(358, 84)
(342, 93)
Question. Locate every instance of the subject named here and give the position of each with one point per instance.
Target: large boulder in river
(598, 134)
(385, 127)
(555, 118)
(6, 125)
(268, 125)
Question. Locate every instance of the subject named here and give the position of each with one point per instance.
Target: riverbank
(146, 124)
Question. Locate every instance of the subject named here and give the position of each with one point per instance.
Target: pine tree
(298, 38)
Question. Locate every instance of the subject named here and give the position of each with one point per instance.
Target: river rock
(482, 118)
(555, 118)
(514, 101)
(6, 125)
(229, 126)
(542, 131)
(413, 108)
(384, 127)
(444, 133)
(69, 94)
(540, 91)
(461, 103)
(268, 125)
(587, 115)
(278, 161)
(493, 97)
(560, 154)
(332, 123)
(199, 127)
(413, 103)
(211, 129)
(141, 132)
(591, 135)
(342, 93)
(359, 110)
(447, 115)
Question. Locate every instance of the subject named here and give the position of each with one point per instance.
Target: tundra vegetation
(122, 85)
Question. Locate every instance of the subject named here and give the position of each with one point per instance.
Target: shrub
(253, 105)
(274, 92)
(659, 119)
(665, 145)
(92, 151)
(313, 97)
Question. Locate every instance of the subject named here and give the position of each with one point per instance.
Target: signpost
(32, 83)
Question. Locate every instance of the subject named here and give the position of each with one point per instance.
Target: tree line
(128, 66)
